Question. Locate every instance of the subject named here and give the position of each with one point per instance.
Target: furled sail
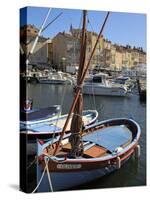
(77, 123)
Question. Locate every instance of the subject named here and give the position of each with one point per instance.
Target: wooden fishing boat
(107, 146)
(87, 153)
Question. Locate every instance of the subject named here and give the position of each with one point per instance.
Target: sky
(121, 28)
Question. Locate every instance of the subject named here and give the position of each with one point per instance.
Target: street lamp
(63, 64)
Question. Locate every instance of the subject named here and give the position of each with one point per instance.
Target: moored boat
(56, 78)
(124, 81)
(86, 153)
(99, 85)
(45, 128)
(36, 116)
(107, 146)
(49, 128)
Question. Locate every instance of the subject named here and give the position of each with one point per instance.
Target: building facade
(64, 50)
(41, 54)
(107, 55)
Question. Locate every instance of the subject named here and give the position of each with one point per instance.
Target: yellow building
(66, 49)
(91, 40)
(118, 59)
(50, 51)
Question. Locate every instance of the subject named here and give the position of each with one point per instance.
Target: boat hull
(106, 91)
(67, 180)
(71, 180)
(46, 128)
(55, 80)
(70, 172)
(51, 81)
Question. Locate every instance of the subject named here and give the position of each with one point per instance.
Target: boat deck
(110, 137)
(100, 142)
(91, 150)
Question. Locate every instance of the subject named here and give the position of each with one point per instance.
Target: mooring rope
(49, 177)
(35, 159)
(42, 176)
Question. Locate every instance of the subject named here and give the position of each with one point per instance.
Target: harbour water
(133, 173)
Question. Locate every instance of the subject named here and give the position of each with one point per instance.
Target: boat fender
(117, 150)
(118, 162)
(137, 151)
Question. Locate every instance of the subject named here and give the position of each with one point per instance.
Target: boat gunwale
(106, 157)
(30, 131)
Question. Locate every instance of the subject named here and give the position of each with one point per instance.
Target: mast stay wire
(92, 96)
(61, 105)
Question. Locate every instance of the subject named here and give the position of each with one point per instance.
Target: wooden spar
(79, 86)
(100, 33)
(77, 123)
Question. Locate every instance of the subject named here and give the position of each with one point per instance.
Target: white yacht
(100, 85)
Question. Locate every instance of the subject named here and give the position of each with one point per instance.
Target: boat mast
(77, 123)
(78, 89)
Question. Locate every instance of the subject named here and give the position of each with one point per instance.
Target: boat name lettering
(69, 166)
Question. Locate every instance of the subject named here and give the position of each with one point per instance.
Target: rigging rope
(35, 159)
(62, 102)
(90, 24)
(92, 95)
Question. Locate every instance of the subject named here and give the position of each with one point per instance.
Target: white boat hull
(47, 81)
(102, 90)
(89, 117)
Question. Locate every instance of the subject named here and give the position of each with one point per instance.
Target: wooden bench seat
(95, 151)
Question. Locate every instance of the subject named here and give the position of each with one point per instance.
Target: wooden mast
(77, 123)
(78, 90)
